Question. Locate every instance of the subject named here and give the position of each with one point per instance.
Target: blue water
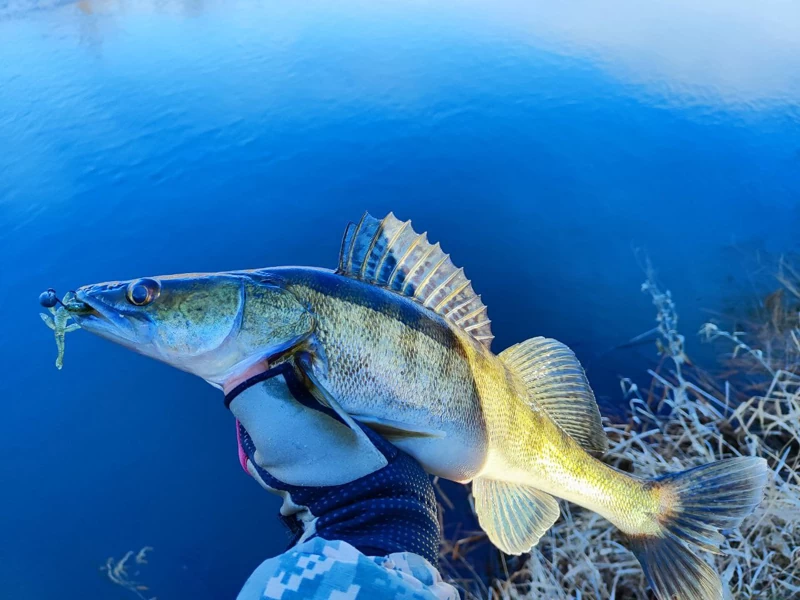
(539, 145)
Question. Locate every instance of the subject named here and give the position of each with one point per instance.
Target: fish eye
(143, 291)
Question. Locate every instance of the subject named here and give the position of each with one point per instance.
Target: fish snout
(103, 309)
(98, 290)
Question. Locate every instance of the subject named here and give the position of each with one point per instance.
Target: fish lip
(103, 319)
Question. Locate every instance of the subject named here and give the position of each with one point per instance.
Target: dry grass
(686, 418)
(118, 572)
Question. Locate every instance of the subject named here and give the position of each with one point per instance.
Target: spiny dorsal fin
(390, 254)
(557, 384)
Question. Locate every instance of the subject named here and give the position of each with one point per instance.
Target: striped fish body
(430, 388)
(401, 369)
(405, 348)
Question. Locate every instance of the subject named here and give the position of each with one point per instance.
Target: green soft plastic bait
(59, 317)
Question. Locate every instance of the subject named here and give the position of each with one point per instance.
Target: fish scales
(388, 358)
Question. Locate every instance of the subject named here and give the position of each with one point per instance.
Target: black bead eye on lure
(48, 298)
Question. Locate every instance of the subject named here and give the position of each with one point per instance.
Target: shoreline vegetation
(686, 417)
(119, 572)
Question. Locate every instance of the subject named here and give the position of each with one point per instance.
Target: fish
(396, 339)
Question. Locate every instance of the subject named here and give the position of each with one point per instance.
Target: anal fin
(515, 517)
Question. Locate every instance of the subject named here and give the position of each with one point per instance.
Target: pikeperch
(396, 339)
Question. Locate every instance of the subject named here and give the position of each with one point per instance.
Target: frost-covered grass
(684, 418)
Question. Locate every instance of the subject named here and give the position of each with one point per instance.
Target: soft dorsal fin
(557, 384)
(390, 254)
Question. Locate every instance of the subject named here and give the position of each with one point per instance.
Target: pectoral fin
(397, 430)
(304, 362)
(514, 516)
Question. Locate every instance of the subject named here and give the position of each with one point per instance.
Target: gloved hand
(336, 483)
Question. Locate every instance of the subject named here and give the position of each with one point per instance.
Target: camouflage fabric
(334, 570)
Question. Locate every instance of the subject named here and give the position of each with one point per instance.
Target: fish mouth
(102, 319)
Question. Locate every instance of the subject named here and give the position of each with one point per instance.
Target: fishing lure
(58, 319)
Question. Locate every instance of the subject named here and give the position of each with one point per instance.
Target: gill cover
(192, 316)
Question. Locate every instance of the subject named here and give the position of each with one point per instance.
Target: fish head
(212, 325)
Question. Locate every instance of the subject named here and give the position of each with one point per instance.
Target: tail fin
(698, 502)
